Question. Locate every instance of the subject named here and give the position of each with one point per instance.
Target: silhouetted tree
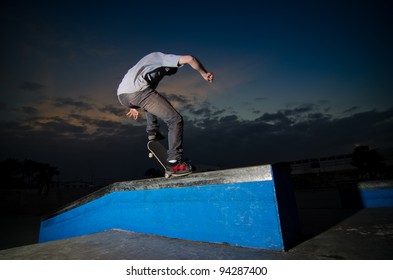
(367, 161)
(26, 174)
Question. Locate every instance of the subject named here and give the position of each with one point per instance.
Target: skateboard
(157, 150)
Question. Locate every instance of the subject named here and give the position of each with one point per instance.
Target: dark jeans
(155, 105)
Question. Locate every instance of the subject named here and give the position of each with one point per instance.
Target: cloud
(178, 100)
(304, 108)
(114, 110)
(31, 86)
(193, 107)
(29, 110)
(231, 142)
(82, 136)
(291, 116)
(274, 118)
(60, 127)
(350, 110)
(69, 101)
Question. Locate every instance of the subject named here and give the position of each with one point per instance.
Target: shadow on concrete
(322, 209)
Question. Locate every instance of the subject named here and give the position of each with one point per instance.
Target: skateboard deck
(157, 150)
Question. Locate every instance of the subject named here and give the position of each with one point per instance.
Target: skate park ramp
(250, 207)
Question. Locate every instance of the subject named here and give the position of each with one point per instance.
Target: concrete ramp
(249, 207)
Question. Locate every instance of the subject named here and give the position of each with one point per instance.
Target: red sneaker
(179, 168)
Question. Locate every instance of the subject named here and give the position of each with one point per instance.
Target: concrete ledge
(249, 207)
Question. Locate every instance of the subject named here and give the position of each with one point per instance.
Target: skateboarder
(138, 90)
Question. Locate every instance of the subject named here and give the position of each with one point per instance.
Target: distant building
(335, 163)
(323, 164)
(76, 185)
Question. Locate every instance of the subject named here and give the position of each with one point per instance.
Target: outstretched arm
(195, 64)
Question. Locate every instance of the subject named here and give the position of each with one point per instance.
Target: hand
(133, 113)
(208, 77)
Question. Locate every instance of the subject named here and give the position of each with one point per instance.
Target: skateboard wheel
(150, 155)
(167, 175)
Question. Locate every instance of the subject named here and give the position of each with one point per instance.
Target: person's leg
(132, 100)
(158, 106)
(152, 123)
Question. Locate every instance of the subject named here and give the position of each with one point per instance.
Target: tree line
(26, 174)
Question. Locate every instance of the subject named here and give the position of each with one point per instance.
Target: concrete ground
(333, 233)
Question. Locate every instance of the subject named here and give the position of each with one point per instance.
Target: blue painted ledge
(376, 193)
(250, 207)
(367, 194)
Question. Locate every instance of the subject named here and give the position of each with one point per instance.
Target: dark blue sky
(294, 79)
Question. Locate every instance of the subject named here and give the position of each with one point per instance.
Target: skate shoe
(155, 136)
(178, 169)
